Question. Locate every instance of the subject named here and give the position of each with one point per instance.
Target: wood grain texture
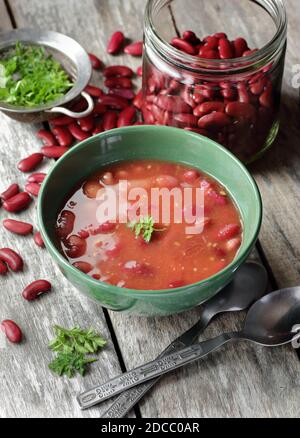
(239, 381)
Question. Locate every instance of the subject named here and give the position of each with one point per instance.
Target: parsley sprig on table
(30, 77)
(72, 347)
(144, 227)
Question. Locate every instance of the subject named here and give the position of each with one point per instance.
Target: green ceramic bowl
(149, 142)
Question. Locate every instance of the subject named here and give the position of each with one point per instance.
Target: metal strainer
(73, 59)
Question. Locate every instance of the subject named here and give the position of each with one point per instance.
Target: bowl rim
(52, 40)
(136, 293)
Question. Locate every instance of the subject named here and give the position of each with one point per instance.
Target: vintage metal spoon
(249, 285)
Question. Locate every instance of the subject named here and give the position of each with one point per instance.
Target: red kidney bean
(214, 121)
(127, 116)
(157, 112)
(33, 189)
(47, 137)
(250, 52)
(186, 120)
(110, 120)
(35, 289)
(126, 93)
(208, 107)
(3, 268)
(135, 267)
(241, 110)
(83, 267)
(98, 129)
(54, 151)
(147, 116)
(36, 177)
(30, 163)
(266, 98)
(139, 71)
(114, 102)
(198, 131)
(86, 123)
(211, 43)
(39, 240)
(191, 37)
(99, 109)
(65, 224)
(258, 86)
(12, 190)
(63, 136)
(240, 47)
(184, 46)
(115, 43)
(77, 132)
(12, 331)
(107, 227)
(94, 91)
(229, 93)
(206, 91)
(17, 203)
(233, 244)
(220, 35)
(138, 101)
(243, 93)
(188, 98)
(229, 231)
(134, 49)
(75, 246)
(118, 82)
(95, 61)
(12, 259)
(17, 227)
(208, 54)
(173, 104)
(84, 234)
(218, 199)
(118, 70)
(61, 121)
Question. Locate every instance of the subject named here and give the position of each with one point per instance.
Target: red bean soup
(148, 254)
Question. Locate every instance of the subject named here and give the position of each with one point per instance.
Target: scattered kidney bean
(33, 189)
(12, 331)
(94, 91)
(99, 109)
(83, 267)
(17, 227)
(36, 177)
(126, 93)
(30, 163)
(110, 120)
(77, 132)
(139, 71)
(98, 129)
(63, 136)
(114, 102)
(86, 123)
(39, 240)
(95, 61)
(54, 151)
(118, 82)
(118, 70)
(61, 121)
(12, 259)
(35, 289)
(127, 116)
(12, 190)
(47, 137)
(116, 43)
(134, 49)
(17, 203)
(3, 268)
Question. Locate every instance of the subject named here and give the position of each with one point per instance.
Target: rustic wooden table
(247, 381)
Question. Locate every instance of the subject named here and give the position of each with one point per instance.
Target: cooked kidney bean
(107, 227)
(47, 137)
(118, 70)
(233, 244)
(3, 268)
(33, 189)
(83, 267)
(17, 203)
(135, 267)
(65, 224)
(12, 190)
(126, 93)
(77, 132)
(75, 246)
(93, 91)
(54, 151)
(114, 102)
(95, 61)
(118, 82)
(190, 176)
(63, 136)
(134, 49)
(30, 163)
(229, 231)
(12, 259)
(176, 284)
(61, 121)
(17, 227)
(110, 120)
(12, 331)
(35, 289)
(127, 116)
(39, 240)
(36, 177)
(115, 43)
(86, 123)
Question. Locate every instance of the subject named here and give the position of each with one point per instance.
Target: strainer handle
(67, 112)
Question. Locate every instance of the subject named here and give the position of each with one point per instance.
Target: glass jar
(234, 100)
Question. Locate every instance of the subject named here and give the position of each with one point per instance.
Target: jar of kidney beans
(216, 68)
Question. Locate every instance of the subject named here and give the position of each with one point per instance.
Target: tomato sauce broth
(110, 252)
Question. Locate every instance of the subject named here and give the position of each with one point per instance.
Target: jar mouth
(275, 8)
